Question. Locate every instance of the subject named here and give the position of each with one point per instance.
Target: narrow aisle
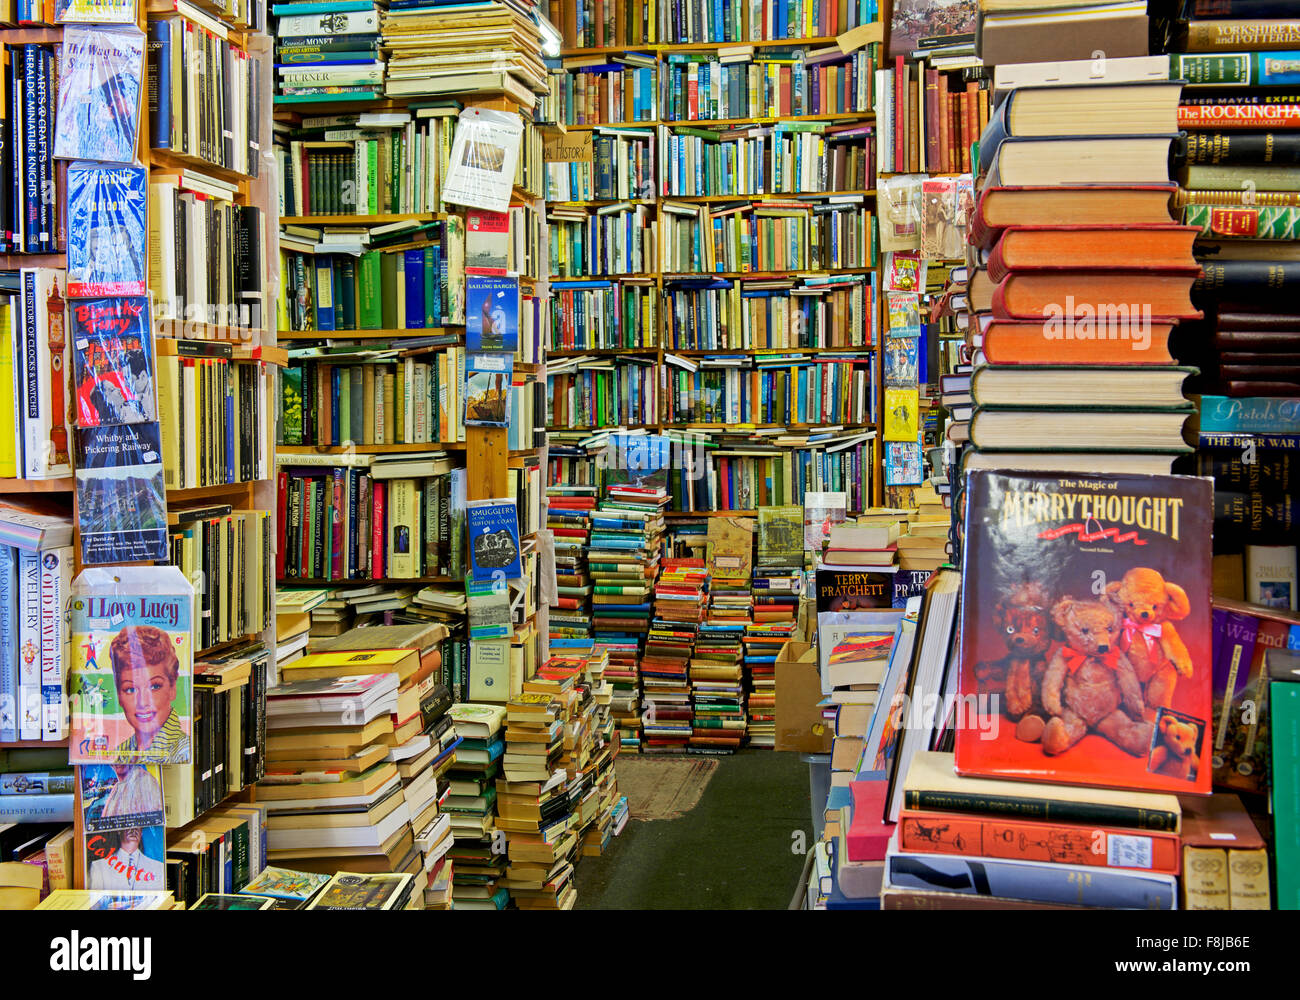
(734, 849)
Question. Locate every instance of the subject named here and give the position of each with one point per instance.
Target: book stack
(1083, 276)
(36, 566)
(952, 824)
(717, 694)
(439, 49)
(679, 604)
(471, 802)
(868, 547)
(338, 803)
(762, 643)
(568, 516)
(626, 537)
(329, 58)
(1060, 29)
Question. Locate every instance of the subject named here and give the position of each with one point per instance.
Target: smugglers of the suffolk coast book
(131, 666)
(1086, 630)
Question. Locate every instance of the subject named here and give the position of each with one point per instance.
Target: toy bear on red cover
(1151, 605)
(1023, 623)
(1124, 698)
(1089, 684)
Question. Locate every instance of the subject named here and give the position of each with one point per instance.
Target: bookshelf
(649, 67)
(241, 341)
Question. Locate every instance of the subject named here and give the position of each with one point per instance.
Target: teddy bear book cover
(1085, 651)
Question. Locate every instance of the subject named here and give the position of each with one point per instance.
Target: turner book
(1106, 680)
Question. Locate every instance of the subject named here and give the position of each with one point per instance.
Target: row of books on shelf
(33, 198)
(369, 397)
(784, 390)
(604, 315)
(616, 239)
(618, 166)
(34, 638)
(217, 119)
(831, 232)
(786, 158)
(586, 24)
(929, 119)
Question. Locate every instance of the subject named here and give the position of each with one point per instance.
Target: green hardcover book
(388, 289)
(1284, 704)
(369, 292)
(345, 404)
(372, 176)
(291, 405)
(395, 171)
(431, 313)
(399, 403)
(313, 185)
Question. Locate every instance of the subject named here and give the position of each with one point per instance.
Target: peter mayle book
(1086, 631)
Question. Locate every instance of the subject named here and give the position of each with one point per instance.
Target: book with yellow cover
(902, 414)
(403, 662)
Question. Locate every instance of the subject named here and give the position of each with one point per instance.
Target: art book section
(431, 411)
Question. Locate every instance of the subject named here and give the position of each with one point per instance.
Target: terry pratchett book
(131, 666)
(1086, 631)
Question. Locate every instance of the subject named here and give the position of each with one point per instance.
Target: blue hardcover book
(121, 495)
(1033, 881)
(44, 122)
(335, 394)
(491, 313)
(414, 277)
(8, 644)
(106, 230)
(100, 77)
(324, 298)
(432, 296)
(1248, 415)
(31, 171)
(493, 529)
(321, 7)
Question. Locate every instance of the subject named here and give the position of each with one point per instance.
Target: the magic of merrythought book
(1086, 631)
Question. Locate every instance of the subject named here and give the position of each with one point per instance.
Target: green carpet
(734, 850)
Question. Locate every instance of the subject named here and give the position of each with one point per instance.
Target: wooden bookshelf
(64, 484)
(359, 220)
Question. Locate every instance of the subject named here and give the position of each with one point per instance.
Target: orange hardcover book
(1076, 205)
(1154, 245)
(1077, 294)
(1027, 342)
(1025, 840)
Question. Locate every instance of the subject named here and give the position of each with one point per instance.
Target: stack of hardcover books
(680, 595)
(471, 801)
(332, 57)
(762, 644)
(1080, 275)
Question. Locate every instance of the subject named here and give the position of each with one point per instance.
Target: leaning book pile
(1082, 275)
(471, 801)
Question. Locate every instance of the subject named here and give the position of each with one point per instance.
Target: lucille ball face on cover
(145, 671)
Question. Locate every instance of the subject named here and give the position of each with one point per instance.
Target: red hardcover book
(1127, 204)
(869, 832)
(1028, 248)
(1029, 342)
(1238, 116)
(971, 106)
(1025, 840)
(932, 118)
(1065, 294)
(282, 519)
(1106, 679)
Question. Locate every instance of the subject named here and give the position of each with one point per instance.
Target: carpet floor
(726, 837)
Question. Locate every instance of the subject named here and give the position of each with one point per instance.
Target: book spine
(56, 584)
(1048, 810)
(1205, 878)
(8, 644)
(29, 645)
(1237, 116)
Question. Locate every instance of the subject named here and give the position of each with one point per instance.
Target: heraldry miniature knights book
(1086, 631)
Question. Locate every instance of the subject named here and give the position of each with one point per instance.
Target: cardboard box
(799, 722)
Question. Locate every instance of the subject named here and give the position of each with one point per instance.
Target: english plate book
(132, 665)
(1085, 624)
(112, 359)
(106, 227)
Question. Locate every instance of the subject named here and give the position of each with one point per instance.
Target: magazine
(112, 358)
(487, 390)
(821, 512)
(902, 361)
(121, 496)
(131, 667)
(348, 891)
(1086, 630)
(494, 539)
(94, 11)
(100, 72)
(487, 242)
(492, 313)
(780, 537)
(283, 883)
(481, 167)
(130, 860)
(904, 463)
(120, 796)
(106, 230)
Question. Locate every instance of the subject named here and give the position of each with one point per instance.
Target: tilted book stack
(471, 801)
(1079, 277)
(568, 516)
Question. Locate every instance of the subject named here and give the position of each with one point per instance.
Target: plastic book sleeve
(900, 212)
(484, 152)
(132, 666)
(100, 74)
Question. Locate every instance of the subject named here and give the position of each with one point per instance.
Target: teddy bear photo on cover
(1086, 630)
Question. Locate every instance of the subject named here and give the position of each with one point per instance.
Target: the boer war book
(1086, 630)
